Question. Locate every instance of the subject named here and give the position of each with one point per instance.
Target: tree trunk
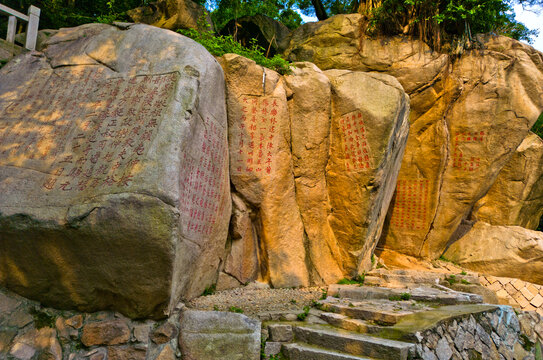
(319, 9)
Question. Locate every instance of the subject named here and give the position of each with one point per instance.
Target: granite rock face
(516, 197)
(313, 161)
(516, 252)
(113, 170)
(173, 15)
(468, 116)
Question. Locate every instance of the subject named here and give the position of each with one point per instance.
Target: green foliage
(403, 296)
(538, 126)
(463, 273)
(303, 315)
(42, 319)
(67, 13)
(451, 279)
(526, 343)
(209, 290)
(3, 62)
(220, 45)
(358, 279)
(465, 282)
(292, 301)
(316, 305)
(227, 10)
(235, 309)
(324, 294)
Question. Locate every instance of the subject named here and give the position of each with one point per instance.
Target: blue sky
(529, 18)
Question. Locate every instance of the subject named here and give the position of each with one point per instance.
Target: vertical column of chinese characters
(253, 130)
(242, 141)
(270, 147)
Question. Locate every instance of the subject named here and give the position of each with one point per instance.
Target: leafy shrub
(209, 290)
(235, 309)
(303, 315)
(220, 45)
(358, 279)
(403, 296)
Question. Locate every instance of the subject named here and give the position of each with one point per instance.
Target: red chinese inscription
(410, 207)
(254, 137)
(462, 148)
(202, 181)
(355, 143)
(92, 130)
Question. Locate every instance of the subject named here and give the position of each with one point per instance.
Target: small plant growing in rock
(303, 315)
(42, 319)
(215, 308)
(324, 294)
(463, 273)
(358, 279)
(292, 301)
(451, 279)
(209, 290)
(316, 305)
(235, 309)
(465, 282)
(403, 296)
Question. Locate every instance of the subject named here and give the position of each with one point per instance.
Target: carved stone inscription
(84, 129)
(355, 144)
(255, 137)
(202, 182)
(410, 207)
(463, 151)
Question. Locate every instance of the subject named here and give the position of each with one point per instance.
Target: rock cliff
(469, 114)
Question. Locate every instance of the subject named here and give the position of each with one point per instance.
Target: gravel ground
(254, 301)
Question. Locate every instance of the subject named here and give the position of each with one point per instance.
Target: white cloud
(532, 20)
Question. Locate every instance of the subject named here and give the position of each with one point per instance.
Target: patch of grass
(372, 259)
(403, 296)
(303, 315)
(357, 280)
(324, 294)
(215, 308)
(235, 309)
(538, 126)
(220, 45)
(526, 343)
(292, 301)
(463, 273)
(3, 62)
(451, 279)
(210, 290)
(42, 319)
(465, 282)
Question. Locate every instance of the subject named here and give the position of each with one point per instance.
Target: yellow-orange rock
(507, 251)
(261, 165)
(516, 198)
(316, 202)
(468, 115)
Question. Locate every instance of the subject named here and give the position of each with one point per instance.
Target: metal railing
(32, 19)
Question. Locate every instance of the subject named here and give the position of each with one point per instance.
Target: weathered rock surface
(516, 198)
(468, 115)
(113, 170)
(314, 174)
(210, 335)
(173, 15)
(500, 251)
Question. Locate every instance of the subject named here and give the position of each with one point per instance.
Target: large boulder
(210, 335)
(173, 15)
(500, 251)
(468, 115)
(516, 198)
(113, 170)
(313, 160)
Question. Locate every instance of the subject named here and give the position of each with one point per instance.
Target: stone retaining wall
(515, 292)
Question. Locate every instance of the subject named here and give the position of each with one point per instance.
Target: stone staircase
(365, 322)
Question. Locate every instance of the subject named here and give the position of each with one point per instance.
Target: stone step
(421, 293)
(380, 316)
(402, 278)
(298, 351)
(347, 323)
(353, 343)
